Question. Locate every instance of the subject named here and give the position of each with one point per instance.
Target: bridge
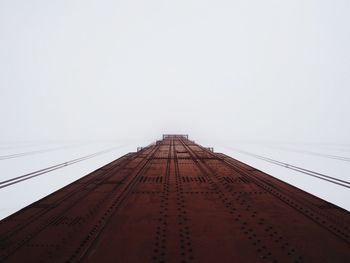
(177, 201)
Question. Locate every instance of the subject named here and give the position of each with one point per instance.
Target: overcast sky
(226, 71)
(265, 70)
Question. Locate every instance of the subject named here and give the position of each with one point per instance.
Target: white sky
(218, 70)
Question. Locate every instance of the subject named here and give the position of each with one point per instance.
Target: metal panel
(176, 201)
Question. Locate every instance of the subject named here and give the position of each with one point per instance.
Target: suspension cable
(16, 155)
(329, 156)
(28, 176)
(296, 168)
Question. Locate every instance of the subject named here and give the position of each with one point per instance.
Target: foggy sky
(227, 73)
(234, 70)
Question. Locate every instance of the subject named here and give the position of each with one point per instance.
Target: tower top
(185, 136)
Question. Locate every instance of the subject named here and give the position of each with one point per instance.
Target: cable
(28, 176)
(26, 144)
(335, 157)
(16, 155)
(298, 169)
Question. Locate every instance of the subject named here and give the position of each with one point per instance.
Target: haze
(220, 71)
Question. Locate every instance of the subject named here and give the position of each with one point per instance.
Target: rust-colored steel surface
(176, 201)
